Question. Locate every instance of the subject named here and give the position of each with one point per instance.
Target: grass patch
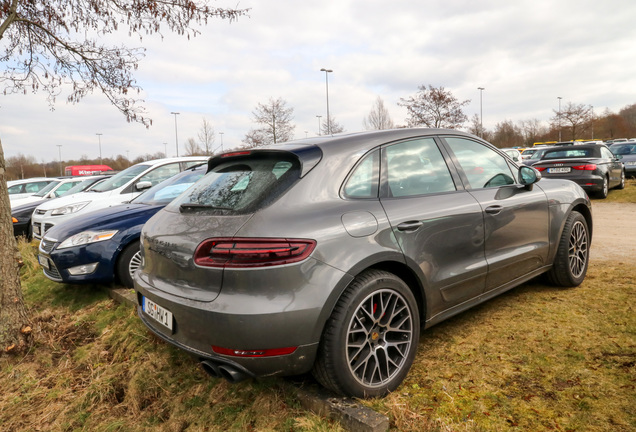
(627, 195)
(95, 367)
(535, 358)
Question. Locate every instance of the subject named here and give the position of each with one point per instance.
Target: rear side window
(241, 185)
(417, 168)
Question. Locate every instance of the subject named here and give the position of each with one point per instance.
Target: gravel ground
(614, 236)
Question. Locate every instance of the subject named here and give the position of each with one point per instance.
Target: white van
(120, 188)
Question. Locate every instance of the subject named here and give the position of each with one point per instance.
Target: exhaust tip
(231, 374)
(211, 369)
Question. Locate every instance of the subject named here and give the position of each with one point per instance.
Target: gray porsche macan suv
(329, 254)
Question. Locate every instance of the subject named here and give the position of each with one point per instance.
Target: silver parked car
(330, 254)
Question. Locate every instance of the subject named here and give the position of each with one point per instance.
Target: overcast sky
(526, 53)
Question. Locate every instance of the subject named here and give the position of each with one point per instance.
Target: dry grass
(95, 367)
(625, 195)
(536, 358)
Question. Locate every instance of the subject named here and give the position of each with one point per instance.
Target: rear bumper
(261, 313)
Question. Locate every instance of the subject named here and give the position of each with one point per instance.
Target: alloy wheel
(578, 249)
(134, 263)
(379, 338)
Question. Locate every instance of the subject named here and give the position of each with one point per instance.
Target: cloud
(525, 53)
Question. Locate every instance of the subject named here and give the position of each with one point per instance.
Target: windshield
(83, 185)
(47, 188)
(120, 179)
(624, 149)
(241, 185)
(171, 188)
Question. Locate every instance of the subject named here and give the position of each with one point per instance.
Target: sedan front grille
(47, 245)
(52, 272)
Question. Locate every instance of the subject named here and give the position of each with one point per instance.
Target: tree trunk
(14, 320)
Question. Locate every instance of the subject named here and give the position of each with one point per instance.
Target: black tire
(357, 343)
(128, 261)
(602, 194)
(573, 254)
(621, 185)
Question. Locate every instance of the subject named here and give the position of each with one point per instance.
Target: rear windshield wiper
(192, 206)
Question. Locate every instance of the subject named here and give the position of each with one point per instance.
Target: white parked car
(55, 189)
(120, 188)
(26, 187)
(514, 154)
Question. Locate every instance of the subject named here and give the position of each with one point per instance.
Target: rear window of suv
(241, 185)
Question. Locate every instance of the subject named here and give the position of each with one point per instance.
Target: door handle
(409, 226)
(493, 210)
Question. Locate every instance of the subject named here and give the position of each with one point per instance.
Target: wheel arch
(389, 264)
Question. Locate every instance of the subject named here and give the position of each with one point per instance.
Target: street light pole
(319, 133)
(176, 137)
(59, 149)
(481, 111)
(165, 149)
(99, 135)
(221, 133)
(327, 72)
(559, 98)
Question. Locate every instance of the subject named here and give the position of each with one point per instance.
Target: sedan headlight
(72, 208)
(87, 237)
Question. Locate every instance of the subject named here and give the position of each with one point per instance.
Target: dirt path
(614, 236)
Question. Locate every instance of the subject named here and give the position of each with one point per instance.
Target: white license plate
(160, 314)
(559, 170)
(44, 261)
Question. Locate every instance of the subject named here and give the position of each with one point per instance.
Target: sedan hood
(118, 217)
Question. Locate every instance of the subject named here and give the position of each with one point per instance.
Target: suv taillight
(251, 252)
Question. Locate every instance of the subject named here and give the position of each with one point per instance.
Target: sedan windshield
(47, 188)
(169, 189)
(120, 179)
(624, 149)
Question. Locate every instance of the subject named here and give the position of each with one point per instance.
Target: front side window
(483, 166)
(417, 167)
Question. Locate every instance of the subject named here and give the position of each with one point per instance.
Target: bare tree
(48, 44)
(192, 148)
(207, 137)
(532, 131)
(275, 119)
(578, 118)
(435, 108)
(333, 128)
(476, 128)
(379, 117)
(507, 135)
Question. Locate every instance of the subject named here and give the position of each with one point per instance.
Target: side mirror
(528, 176)
(143, 185)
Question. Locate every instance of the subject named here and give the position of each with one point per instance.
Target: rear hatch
(236, 186)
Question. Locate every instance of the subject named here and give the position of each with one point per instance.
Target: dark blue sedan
(103, 246)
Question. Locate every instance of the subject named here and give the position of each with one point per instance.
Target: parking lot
(614, 236)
